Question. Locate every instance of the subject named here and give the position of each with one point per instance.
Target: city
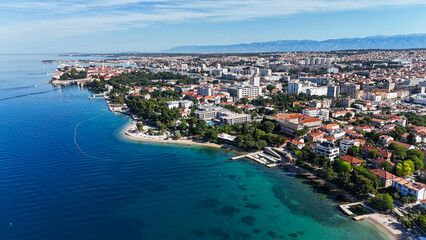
(354, 118)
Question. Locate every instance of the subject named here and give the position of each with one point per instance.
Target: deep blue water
(67, 172)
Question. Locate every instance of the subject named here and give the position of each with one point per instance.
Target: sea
(68, 172)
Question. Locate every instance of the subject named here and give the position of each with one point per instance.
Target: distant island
(373, 42)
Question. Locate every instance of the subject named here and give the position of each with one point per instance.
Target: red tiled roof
(350, 159)
(382, 173)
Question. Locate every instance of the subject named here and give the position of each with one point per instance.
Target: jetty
(346, 209)
(68, 82)
(266, 157)
(98, 96)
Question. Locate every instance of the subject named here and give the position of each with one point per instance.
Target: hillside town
(354, 118)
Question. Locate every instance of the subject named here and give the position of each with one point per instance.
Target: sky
(105, 26)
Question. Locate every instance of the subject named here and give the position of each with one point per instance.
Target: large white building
(321, 113)
(265, 72)
(255, 81)
(345, 144)
(410, 187)
(208, 112)
(333, 91)
(205, 91)
(297, 87)
(328, 149)
(245, 91)
(234, 118)
(177, 104)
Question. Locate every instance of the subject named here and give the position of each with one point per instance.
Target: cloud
(57, 19)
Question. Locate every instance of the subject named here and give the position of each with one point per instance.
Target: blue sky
(36, 26)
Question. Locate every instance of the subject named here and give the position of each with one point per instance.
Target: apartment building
(234, 118)
(289, 123)
(321, 113)
(410, 187)
(328, 149)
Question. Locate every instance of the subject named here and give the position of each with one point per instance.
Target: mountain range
(373, 42)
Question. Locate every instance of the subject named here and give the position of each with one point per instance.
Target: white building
(205, 91)
(177, 104)
(234, 118)
(265, 72)
(246, 91)
(328, 149)
(208, 112)
(255, 81)
(321, 113)
(410, 188)
(310, 88)
(345, 144)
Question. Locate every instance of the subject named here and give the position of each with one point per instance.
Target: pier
(98, 96)
(267, 157)
(346, 209)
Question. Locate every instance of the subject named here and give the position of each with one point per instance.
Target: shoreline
(382, 223)
(376, 219)
(130, 135)
(392, 229)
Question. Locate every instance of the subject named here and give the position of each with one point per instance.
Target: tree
(210, 135)
(354, 151)
(177, 134)
(328, 174)
(418, 164)
(258, 134)
(348, 116)
(411, 164)
(415, 152)
(406, 222)
(299, 133)
(403, 169)
(341, 166)
(372, 153)
(323, 161)
(183, 126)
(387, 166)
(398, 150)
(268, 126)
(382, 202)
(361, 184)
(398, 132)
(411, 139)
(139, 127)
(342, 179)
(270, 87)
(421, 221)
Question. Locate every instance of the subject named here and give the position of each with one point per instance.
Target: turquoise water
(67, 172)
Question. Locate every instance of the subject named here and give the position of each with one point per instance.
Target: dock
(98, 96)
(346, 209)
(267, 157)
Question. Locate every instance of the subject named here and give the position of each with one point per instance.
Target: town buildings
(289, 123)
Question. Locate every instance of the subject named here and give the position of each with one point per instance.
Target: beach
(132, 133)
(388, 225)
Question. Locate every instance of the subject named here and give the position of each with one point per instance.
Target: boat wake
(28, 94)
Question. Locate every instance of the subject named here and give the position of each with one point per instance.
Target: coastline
(379, 221)
(393, 229)
(386, 224)
(130, 135)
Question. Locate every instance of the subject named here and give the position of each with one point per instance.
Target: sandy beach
(132, 133)
(389, 225)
